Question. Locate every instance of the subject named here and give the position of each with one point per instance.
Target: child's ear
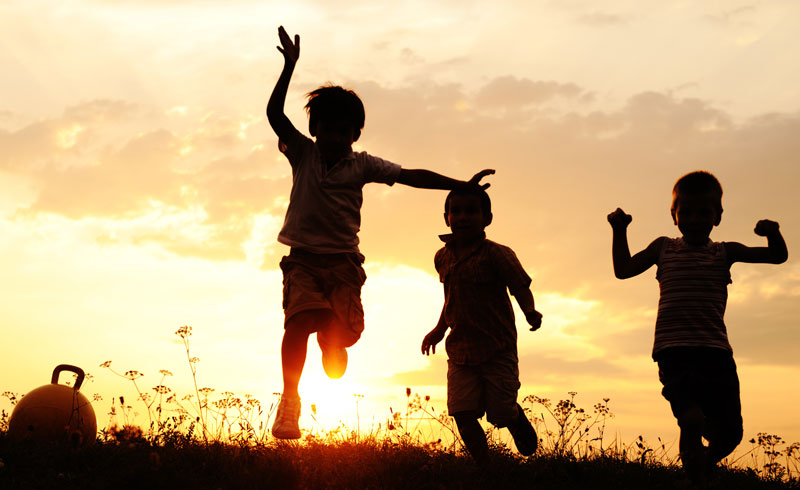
(719, 218)
(488, 220)
(356, 135)
(312, 127)
(674, 220)
(446, 220)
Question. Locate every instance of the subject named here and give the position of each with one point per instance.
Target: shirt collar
(447, 238)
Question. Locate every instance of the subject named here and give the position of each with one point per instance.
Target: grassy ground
(318, 464)
(416, 448)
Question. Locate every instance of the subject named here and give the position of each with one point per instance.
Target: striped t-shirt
(694, 290)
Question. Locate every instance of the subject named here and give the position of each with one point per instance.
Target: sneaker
(524, 434)
(286, 420)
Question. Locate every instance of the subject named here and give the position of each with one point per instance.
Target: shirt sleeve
(295, 147)
(438, 260)
(379, 170)
(509, 269)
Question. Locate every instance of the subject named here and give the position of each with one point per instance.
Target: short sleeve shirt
(694, 291)
(477, 307)
(324, 213)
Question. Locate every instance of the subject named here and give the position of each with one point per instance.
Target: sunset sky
(141, 188)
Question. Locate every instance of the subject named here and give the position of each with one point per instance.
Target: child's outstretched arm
(277, 119)
(774, 253)
(625, 265)
(528, 307)
(426, 179)
(434, 336)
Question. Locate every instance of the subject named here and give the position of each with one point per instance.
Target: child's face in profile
(465, 217)
(335, 138)
(695, 216)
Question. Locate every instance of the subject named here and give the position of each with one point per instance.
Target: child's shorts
(326, 282)
(490, 387)
(701, 376)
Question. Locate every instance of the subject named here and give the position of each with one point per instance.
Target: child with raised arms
(322, 275)
(695, 359)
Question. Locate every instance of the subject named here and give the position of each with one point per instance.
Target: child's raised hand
(289, 49)
(619, 219)
(534, 319)
(766, 227)
(476, 179)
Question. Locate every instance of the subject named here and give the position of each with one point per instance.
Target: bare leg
(693, 454)
(295, 346)
(473, 436)
(723, 437)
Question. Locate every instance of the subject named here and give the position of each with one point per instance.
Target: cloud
(116, 160)
(559, 171)
(509, 92)
(733, 17)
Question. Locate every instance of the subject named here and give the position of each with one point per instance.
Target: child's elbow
(620, 273)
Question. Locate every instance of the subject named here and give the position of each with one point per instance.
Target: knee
(466, 418)
(692, 419)
(730, 435)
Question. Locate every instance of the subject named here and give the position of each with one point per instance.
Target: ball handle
(68, 367)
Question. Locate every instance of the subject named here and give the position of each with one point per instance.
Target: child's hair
(698, 183)
(335, 102)
(486, 202)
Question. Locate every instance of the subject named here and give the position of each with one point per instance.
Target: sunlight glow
(67, 138)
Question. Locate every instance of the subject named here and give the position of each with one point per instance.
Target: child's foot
(334, 360)
(696, 465)
(286, 419)
(524, 435)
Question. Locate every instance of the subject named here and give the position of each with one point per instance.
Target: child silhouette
(322, 275)
(695, 359)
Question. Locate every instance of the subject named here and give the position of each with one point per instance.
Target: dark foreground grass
(312, 464)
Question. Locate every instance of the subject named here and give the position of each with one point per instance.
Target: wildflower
(184, 331)
(165, 372)
(106, 364)
(133, 375)
(408, 391)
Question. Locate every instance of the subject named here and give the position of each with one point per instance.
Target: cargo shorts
(704, 377)
(330, 282)
(490, 387)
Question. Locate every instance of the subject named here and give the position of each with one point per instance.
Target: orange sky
(141, 188)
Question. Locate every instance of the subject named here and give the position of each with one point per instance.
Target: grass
(202, 441)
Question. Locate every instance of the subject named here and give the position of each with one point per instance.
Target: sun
(328, 403)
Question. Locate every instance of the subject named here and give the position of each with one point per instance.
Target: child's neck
(462, 245)
(331, 160)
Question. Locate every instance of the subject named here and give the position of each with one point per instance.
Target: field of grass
(202, 442)
(370, 463)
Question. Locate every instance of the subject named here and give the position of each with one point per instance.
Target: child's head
(468, 210)
(332, 104)
(696, 205)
